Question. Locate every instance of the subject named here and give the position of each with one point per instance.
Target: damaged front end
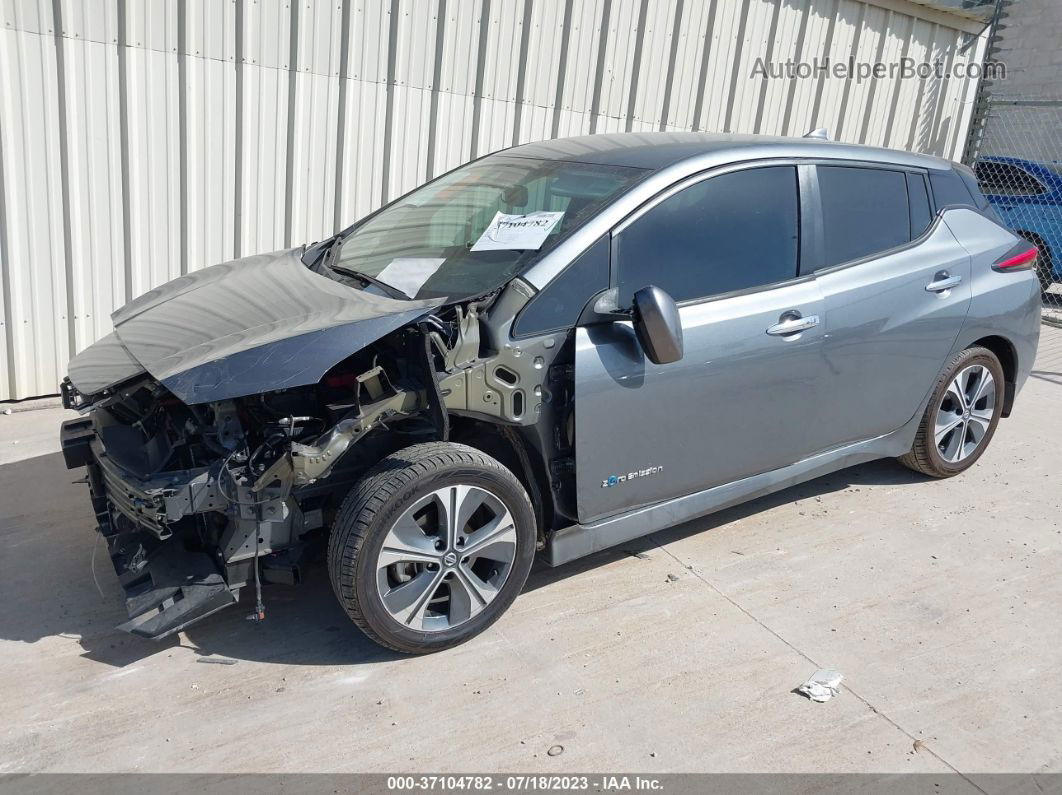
(173, 491)
(197, 501)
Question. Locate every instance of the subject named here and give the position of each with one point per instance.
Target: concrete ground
(937, 600)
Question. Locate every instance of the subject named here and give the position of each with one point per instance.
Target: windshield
(475, 228)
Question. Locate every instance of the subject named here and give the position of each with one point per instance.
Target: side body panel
(739, 402)
(1002, 304)
(586, 538)
(887, 336)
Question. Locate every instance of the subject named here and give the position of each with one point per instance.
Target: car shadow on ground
(58, 580)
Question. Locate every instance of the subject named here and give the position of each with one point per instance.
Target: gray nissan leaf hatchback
(548, 351)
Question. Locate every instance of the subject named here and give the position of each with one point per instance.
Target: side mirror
(658, 325)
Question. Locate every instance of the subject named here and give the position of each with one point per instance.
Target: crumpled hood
(239, 328)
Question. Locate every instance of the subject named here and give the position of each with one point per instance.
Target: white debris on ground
(822, 686)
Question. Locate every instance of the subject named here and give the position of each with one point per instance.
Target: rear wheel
(961, 416)
(431, 547)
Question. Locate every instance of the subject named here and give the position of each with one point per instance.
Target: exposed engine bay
(198, 500)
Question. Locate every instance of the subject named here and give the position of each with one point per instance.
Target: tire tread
(918, 458)
(372, 494)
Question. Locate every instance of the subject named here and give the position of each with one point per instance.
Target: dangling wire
(221, 489)
(259, 605)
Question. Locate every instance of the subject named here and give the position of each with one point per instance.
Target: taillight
(1020, 258)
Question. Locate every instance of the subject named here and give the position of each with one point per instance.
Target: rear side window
(562, 301)
(921, 216)
(864, 211)
(731, 232)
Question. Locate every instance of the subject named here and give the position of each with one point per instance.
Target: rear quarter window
(949, 190)
(968, 178)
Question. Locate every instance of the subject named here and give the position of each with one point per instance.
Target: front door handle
(942, 281)
(793, 325)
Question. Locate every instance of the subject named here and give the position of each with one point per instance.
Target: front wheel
(431, 547)
(961, 416)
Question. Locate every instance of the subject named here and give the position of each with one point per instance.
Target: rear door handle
(793, 325)
(942, 282)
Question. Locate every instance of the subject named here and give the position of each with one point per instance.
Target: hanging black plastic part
(436, 409)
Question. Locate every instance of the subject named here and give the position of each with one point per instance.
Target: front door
(742, 399)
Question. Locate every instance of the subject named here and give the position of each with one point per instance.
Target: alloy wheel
(446, 558)
(965, 413)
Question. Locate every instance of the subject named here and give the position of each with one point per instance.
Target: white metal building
(141, 139)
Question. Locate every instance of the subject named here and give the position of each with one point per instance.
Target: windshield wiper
(390, 289)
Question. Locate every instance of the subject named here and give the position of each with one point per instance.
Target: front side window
(731, 232)
(476, 228)
(865, 211)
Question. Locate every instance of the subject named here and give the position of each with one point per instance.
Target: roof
(658, 150)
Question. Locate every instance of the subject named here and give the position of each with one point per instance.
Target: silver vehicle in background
(551, 350)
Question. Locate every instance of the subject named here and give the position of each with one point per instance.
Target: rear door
(742, 398)
(896, 288)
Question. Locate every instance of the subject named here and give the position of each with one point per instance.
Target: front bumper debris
(167, 587)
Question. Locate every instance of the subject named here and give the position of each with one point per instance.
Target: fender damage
(217, 434)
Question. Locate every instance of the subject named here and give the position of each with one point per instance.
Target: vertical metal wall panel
(890, 47)
(967, 100)
(725, 34)
(150, 24)
(801, 107)
(312, 158)
(783, 41)
(88, 21)
(545, 42)
(141, 140)
(362, 166)
(266, 34)
(689, 55)
(94, 173)
(263, 114)
(209, 28)
(209, 194)
(650, 89)
(619, 60)
(456, 83)
(153, 203)
(33, 253)
(756, 23)
(909, 91)
(585, 33)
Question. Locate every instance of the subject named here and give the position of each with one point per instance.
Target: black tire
(925, 457)
(378, 500)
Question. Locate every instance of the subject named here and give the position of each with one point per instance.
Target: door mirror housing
(658, 325)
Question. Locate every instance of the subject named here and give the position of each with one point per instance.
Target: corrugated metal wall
(141, 139)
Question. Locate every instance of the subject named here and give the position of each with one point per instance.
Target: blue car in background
(1028, 197)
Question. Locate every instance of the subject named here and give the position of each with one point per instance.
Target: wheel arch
(507, 445)
(1008, 359)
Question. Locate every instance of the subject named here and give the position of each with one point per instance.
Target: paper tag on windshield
(517, 232)
(409, 274)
